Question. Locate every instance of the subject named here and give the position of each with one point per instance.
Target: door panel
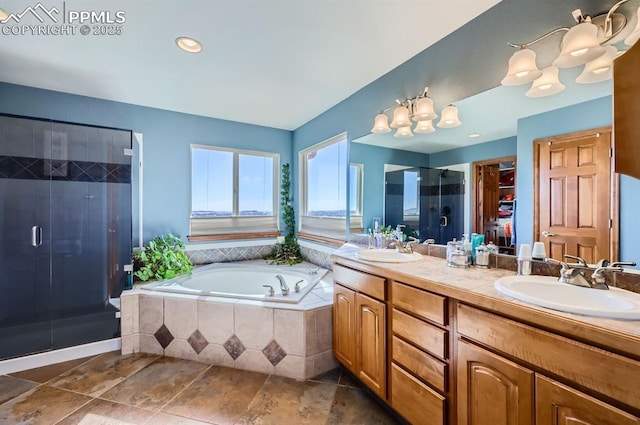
(490, 187)
(370, 331)
(344, 326)
(574, 195)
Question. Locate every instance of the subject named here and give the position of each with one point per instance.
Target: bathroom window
(233, 191)
(326, 176)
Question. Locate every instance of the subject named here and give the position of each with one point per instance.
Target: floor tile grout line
(74, 411)
(185, 387)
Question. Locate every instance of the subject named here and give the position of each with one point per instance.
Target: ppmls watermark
(61, 21)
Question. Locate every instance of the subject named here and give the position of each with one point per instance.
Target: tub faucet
(283, 285)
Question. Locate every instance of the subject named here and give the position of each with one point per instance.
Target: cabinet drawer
(361, 282)
(424, 366)
(428, 337)
(421, 303)
(599, 370)
(414, 401)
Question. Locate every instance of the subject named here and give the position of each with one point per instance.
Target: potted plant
(162, 258)
(287, 249)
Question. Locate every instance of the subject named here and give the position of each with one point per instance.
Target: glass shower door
(91, 230)
(25, 290)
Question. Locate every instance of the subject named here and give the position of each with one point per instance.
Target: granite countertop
(475, 287)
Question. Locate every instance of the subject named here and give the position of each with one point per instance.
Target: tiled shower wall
(241, 253)
(291, 343)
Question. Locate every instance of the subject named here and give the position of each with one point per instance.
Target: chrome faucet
(283, 285)
(404, 247)
(576, 274)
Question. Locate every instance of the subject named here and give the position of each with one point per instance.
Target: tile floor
(111, 389)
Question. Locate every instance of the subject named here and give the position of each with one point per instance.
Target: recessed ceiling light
(474, 135)
(3, 15)
(189, 44)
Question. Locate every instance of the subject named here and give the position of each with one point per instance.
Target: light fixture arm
(608, 22)
(407, 102)
(542, 37)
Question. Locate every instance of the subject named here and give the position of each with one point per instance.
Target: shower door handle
(36, 236)
(444, 221)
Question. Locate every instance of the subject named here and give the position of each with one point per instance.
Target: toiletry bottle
(466, 245)
(128, 276)
(524, 260)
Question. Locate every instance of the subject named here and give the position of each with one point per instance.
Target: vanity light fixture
(449, 118)
(584, 43)
(189, 44)
(547, 84)
(599, 69)
(419, 109)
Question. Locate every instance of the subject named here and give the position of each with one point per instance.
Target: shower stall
(428, 201)
(65, 233)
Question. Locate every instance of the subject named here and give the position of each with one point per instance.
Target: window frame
(202, 227)
(326, 227)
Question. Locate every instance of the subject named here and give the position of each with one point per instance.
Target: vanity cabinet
(419, 354)
(438, 360)
(359, 326)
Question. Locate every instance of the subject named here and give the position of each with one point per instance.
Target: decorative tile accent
(234, 347)
(274, 353)
(319, 258)
(16, 167)
(225, 255)
(164, 337)
(197, 341)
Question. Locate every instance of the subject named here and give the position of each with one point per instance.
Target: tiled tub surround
(292, 340)
(225, 252)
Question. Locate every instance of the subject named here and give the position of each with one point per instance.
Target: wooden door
(344, 326)
(370, 343)
(574, 195)
(491, 389)
(490, 187)
(561, 405)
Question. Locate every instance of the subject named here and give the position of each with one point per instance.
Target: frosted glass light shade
(3, 15)
(424, 127)
(400, 117)
(449, 118)
(547, 84)
(579, 46)
(381, 124)
(522, 68)
(635, 35)
(599, 69)
(423, 110)
(403, 132)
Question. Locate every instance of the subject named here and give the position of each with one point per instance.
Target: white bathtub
(243, 281)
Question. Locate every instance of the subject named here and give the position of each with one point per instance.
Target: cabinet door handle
(36, 236)
(548, 234)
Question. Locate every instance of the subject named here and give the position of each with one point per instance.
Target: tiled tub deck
(292, 340)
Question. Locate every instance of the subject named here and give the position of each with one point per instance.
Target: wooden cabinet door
(492, 390)
(561, 405)
(574, 193)
(344, 326)
(370, 343)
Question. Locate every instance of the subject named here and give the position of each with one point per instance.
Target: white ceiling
(276, 63)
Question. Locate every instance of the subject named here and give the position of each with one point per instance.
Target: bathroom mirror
(503, 116)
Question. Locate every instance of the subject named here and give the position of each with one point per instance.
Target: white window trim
(202, 226)
(332, 227)
(355, 219)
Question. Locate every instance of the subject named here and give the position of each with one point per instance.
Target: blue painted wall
(583, 116)
(374, 158)
(489, 150)
(167, 136)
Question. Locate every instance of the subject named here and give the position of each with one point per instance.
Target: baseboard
(57, 356)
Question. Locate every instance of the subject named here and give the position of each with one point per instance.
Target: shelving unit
(506, 197)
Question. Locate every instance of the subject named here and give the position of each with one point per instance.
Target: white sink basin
(387, 256)
(546, 291)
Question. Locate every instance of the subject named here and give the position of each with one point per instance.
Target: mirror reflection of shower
(428, 201)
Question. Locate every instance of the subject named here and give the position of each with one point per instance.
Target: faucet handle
(580, 260)
(271, 291)
(623, 263)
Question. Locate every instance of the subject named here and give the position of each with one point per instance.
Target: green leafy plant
(162, 258)
(286, 251)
